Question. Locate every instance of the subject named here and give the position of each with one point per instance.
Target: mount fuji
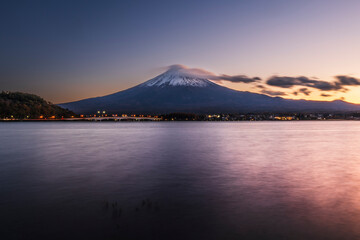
(181, 89)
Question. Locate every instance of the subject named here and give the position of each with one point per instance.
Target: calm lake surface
(180, 180)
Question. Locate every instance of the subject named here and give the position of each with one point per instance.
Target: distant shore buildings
(103, 116)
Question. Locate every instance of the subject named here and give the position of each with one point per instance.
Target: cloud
(305, 91)
(300, 84)
(260, 86)
(347, 81)
(289, 82)
(198, 72)
(267, 91)
(176, 67)
(273, 93)
(337, 85)
(238, 78)
(192, 72)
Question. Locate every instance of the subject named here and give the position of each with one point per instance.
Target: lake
(180, 180)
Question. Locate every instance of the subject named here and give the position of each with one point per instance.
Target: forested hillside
(29, 106)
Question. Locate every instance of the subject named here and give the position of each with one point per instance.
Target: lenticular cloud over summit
(201, 73)
(190, 72)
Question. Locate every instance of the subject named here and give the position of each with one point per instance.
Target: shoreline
(144, 120)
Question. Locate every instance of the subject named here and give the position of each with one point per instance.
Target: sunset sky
(70, 50)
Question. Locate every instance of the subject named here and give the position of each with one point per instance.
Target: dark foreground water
(180, 180)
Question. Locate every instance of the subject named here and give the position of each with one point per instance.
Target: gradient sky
(70, 50)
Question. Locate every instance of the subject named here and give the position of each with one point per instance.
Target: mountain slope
(178, 90)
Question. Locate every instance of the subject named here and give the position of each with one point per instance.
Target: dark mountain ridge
(179, 91)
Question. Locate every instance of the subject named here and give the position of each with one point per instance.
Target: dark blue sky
(68, 50)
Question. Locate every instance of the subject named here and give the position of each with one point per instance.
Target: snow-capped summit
(179, 75)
